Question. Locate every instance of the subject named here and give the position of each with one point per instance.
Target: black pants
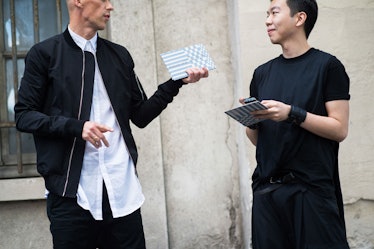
(292, 217)
(72, 227)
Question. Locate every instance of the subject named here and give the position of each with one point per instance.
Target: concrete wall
(195, 163)
(187, 157)
(24, 224)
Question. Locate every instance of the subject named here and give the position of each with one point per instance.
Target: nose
(109, 6)
(268, 20)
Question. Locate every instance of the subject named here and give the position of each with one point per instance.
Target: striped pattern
(242, 113)
(178, 61)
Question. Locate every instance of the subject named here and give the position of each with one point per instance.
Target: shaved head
(86, 17)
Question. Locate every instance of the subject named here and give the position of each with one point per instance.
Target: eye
(272, 13)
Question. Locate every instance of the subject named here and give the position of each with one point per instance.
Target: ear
(78, 3)
(300, 18)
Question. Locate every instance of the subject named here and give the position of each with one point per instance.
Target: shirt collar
(81, 42)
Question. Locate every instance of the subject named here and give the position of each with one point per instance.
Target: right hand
(94, 133)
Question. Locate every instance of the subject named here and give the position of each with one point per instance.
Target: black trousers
(293, 217)
(72, 227)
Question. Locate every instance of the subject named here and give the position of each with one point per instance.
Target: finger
(102, 136)
(104, 128)
(95, 141)
(188, 78)
(206, 72)
(202, 72)
(195, 74)
(191, 74)
(105, 141)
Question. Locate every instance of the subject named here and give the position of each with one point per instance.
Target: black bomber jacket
(49, 106)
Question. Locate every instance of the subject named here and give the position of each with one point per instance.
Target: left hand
(195, 74)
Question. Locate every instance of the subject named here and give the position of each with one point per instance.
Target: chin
(274, 41)
(101, 27)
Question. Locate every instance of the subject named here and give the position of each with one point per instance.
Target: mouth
(107, 17)
(270, 31)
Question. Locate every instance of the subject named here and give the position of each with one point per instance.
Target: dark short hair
(310, 7)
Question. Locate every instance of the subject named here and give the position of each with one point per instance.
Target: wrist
(296, 116)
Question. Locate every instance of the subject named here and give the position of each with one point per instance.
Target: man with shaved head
(77, 97)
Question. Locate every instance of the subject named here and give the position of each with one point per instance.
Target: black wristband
(296, 115)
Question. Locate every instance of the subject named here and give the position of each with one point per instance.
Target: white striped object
(242, 113)
(178, 61)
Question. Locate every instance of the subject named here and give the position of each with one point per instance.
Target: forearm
(40, 124)
(144, 111)
(252, 135)
(326, 127)
(334, 126)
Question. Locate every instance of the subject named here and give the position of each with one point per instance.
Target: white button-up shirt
(112, 165)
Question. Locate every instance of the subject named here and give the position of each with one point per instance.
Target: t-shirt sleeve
(337, 87)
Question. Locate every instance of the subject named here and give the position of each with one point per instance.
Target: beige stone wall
(24, 224)
(186, 165)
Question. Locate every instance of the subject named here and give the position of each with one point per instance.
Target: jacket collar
(72, 43)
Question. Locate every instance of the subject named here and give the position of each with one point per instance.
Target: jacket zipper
(140, 89)
(79, 115)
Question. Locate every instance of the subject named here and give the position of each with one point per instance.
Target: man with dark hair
(297, 200)
(78, 93)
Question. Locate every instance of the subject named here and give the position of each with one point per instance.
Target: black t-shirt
(307, 81)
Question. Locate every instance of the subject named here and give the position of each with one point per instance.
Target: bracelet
(296, 115)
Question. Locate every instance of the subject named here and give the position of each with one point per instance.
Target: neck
(294, 49)
(86, 33)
